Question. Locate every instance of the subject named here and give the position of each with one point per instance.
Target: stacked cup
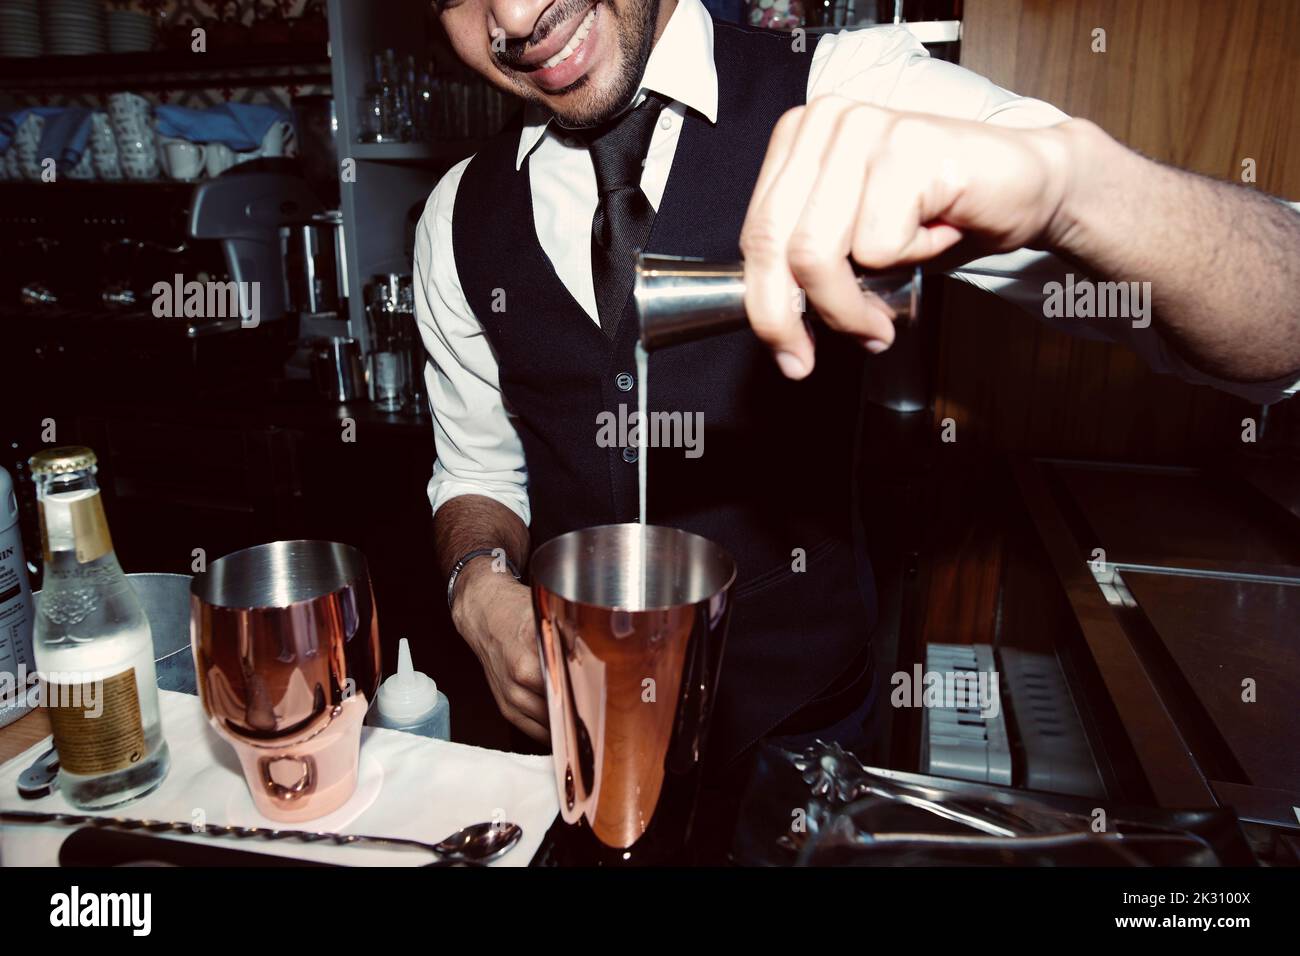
(23, 157)
(137, 141)
(103, 148)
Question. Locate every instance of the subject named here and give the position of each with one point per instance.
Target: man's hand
(494, 613)
(843, 180)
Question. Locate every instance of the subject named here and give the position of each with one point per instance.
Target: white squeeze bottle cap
(409, 696)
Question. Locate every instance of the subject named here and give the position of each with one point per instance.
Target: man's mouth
(559, 68)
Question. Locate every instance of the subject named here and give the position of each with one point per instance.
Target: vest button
(629, 455)
(624, 381)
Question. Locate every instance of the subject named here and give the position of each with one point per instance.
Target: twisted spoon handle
(210, 830)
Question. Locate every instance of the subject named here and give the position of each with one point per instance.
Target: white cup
(139, 160)
(103, 147)
(137, 140)
(183, 160)
(130, 114)
(220, 158)
(26, 146)
(277, 140)
(85, 167)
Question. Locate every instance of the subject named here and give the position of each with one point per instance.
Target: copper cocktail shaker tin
(632, 621)
(286, 651)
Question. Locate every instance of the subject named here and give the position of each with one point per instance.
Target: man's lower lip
(567, 73)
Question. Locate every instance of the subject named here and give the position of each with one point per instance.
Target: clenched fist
(847, 182)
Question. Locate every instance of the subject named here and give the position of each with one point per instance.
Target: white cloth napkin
(409, 786)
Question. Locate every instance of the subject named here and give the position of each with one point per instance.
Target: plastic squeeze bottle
(411, 701)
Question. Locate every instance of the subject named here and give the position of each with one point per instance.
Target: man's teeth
(575, 41)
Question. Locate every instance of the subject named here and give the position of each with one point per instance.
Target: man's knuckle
(830, 105)
(769, 324)
(862, 123)
(760, 241)
(809, 256)
(872, 252)
(789, 121)
(518, 698)
(911, 135)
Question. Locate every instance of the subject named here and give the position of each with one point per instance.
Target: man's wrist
(471, 591)
(1084, 157)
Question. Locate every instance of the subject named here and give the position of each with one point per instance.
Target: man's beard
(634, 25)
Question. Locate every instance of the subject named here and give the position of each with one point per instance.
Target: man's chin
(572, 89)
(607, 84)
(581, 104)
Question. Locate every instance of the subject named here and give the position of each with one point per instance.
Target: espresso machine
(96, 290)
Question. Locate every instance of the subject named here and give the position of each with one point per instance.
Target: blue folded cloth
(67, 134)
(9, 122)
(241, 126)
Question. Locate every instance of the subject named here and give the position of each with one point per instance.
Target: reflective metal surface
(631, 667)
(166, 602)
(680, 300)
(286, 649)
(337, 368)
(859, 815)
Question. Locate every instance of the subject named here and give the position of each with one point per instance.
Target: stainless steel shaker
(337, 369)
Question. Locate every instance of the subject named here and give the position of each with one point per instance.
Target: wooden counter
(23, 733)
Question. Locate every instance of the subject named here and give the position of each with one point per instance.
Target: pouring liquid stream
(643, 449)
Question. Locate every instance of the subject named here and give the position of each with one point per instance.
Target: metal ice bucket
(166, 602)
(631, 673)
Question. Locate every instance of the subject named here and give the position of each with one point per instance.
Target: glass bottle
(93, 645)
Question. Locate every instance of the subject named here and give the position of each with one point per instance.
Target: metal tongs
(846, 793)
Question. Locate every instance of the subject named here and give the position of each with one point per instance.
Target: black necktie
(624, 216)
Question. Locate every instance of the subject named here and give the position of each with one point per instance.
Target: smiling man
(650, 125)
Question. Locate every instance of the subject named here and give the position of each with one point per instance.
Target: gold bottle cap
(61, 461)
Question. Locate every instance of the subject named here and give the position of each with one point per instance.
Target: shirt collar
(680, 68)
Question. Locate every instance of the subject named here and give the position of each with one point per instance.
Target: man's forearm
(472, 523)
(1223, 261)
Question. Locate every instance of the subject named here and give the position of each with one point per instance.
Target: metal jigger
(680, 300)
(631, 620)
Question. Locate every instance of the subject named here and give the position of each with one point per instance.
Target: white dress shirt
(479, 451)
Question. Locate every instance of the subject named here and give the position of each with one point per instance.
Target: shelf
(454, 149)
(265, 65)
(927, 31)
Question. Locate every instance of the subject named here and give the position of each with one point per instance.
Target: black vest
(775, 482)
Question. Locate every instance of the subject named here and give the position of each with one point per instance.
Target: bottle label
(97, 726)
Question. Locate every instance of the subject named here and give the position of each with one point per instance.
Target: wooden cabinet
(1201, 84)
